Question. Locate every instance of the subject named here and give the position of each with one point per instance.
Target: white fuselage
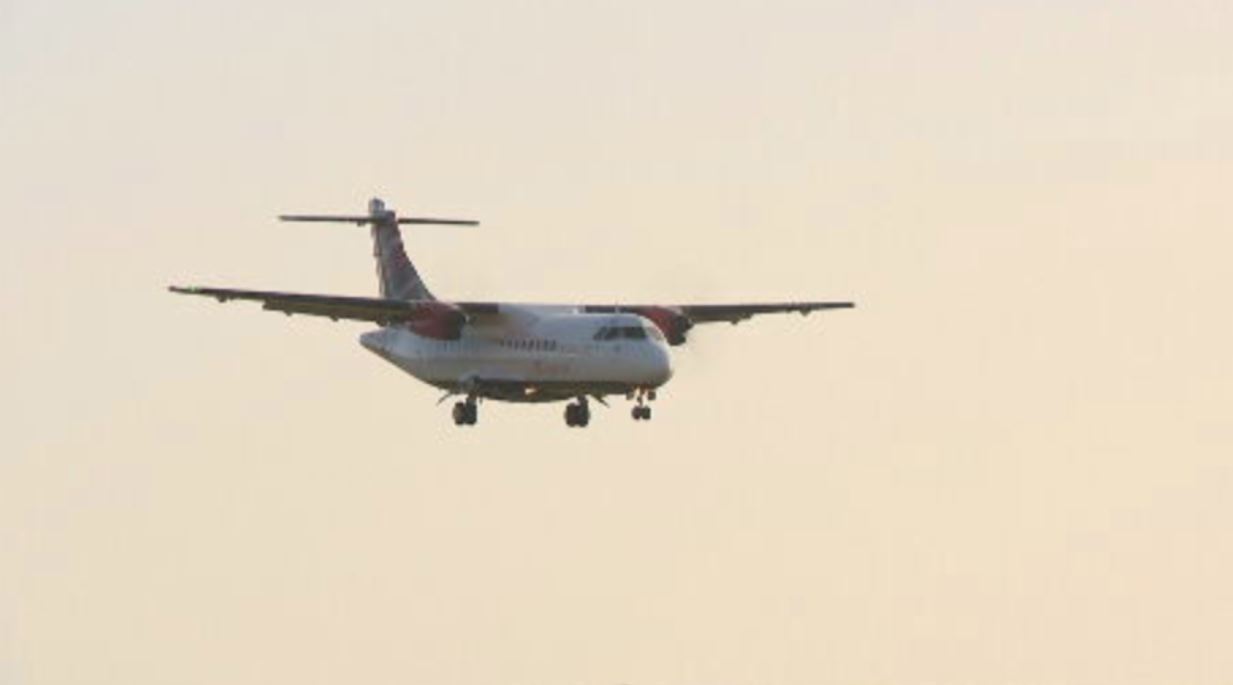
(534, 354)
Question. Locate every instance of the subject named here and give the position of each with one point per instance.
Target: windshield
(622, 333)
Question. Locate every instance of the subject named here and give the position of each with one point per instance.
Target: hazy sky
(1010, 465)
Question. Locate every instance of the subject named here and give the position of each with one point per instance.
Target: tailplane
(397, 277)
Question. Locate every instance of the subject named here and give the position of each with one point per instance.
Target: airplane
(504, 351)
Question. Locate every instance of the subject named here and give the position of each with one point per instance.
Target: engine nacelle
(670, 321)
(440, 321)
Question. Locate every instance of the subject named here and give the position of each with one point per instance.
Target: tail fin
(396, 275)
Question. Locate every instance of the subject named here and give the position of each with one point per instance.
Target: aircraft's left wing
(376, 309)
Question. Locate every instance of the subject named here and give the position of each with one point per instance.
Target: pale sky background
(1010, 465)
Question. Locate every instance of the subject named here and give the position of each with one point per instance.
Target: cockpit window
(628, 333)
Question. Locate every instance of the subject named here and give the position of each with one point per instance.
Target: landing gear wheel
(641, 412)
(577, 414)
(465, 413)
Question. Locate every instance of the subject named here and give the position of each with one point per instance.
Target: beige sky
(1010, 465)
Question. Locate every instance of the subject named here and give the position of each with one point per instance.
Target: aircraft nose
(659, 363)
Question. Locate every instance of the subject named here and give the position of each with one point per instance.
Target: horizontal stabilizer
(360, 219)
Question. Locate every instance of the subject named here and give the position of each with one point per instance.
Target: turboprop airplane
(504, 351)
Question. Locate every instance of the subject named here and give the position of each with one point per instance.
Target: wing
(676, 320)
(733, 313)
(386, 311)
(376, 309)
(708, 313)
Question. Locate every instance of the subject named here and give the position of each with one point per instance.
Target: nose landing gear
(578, 414)
(642, 411)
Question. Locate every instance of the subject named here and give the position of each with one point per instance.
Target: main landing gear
(466, 413)
(578, 414)
(642, 411)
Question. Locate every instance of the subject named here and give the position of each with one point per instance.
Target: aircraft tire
(465, 413)
(577, 415)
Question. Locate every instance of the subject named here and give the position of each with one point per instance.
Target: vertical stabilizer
(396, 275)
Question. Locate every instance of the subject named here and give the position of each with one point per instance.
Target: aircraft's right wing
(732, 313)
(708, 313)
(675, 320)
